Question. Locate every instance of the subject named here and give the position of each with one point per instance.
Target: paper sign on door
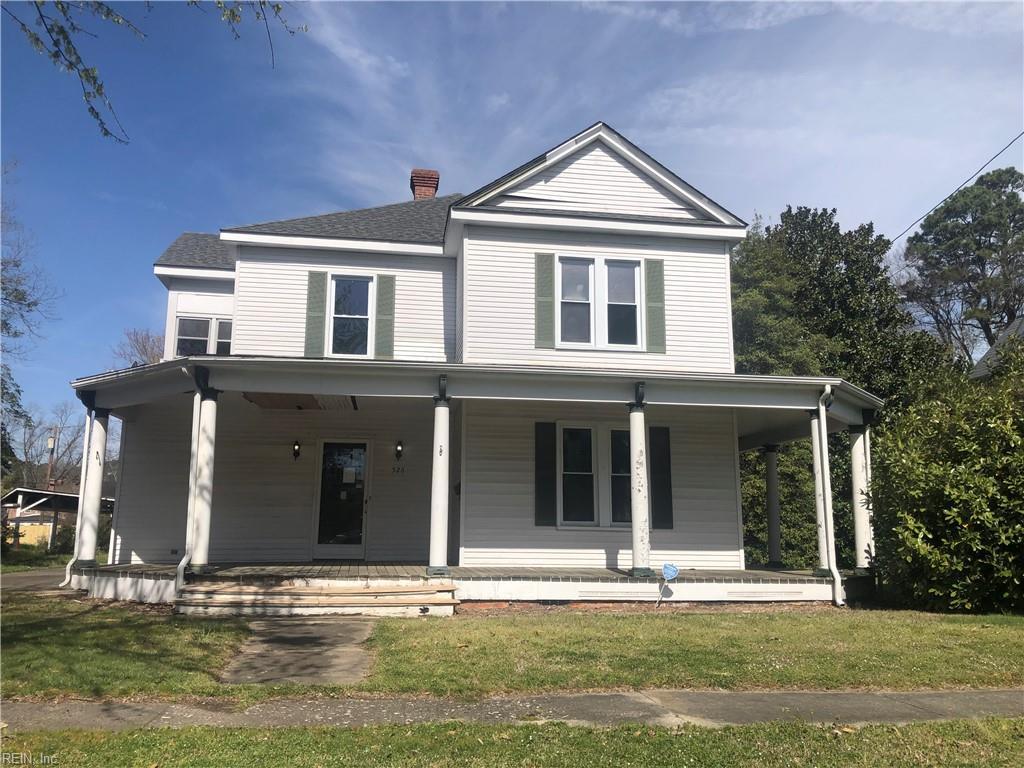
(348, 475)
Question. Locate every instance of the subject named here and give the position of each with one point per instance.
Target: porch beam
(819, 496)
(202, 504)
(771, 476)
(92, 493)
(639, 502)
(863, 541)
(438, 562)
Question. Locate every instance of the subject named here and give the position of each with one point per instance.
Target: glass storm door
(343, 498)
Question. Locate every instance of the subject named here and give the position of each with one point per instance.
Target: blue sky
(876, 109)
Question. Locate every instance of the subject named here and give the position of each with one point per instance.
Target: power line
(966, 182)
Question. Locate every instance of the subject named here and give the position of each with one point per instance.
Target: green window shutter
(654, 280)
(316, 313)
(661, 478)
(544, 301)
(545, 484)
(384, 326)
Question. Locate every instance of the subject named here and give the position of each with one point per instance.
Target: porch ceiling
(770, 408)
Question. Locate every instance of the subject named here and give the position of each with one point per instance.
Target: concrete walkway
(318, 651)
(653, 707)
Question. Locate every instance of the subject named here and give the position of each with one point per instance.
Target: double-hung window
(594, 476)
(202, 336)
(599, 303)
(350, 329)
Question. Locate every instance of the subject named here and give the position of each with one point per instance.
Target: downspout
(87, 438)
(186, 558)
(824, 403)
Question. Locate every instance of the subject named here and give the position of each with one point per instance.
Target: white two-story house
(526, 392)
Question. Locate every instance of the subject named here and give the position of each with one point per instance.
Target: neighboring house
(983, 368)
(30, 512)
(527, 392)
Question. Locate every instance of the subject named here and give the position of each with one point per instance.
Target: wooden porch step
(304, 600)
(222, 588)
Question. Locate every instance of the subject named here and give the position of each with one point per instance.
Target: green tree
(54, 29)
(967, 262)
(812, 298)
(948, 494)
(26, 298)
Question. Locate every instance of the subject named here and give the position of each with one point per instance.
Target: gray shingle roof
(989, 360)
(195, 249)
(415, 221)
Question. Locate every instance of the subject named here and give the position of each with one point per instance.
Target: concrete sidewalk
(653, 707)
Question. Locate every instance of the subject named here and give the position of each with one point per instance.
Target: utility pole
(51, 484)
(51, 447)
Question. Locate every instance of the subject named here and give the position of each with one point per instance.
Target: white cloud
(975, 19)
(496, 102)
(962, 19)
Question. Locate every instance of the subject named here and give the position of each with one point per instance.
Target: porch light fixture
(296, 449)
(399, 448)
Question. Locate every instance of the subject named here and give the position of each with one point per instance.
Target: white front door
(342, 500)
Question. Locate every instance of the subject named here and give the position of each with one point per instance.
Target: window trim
(211, 332)
(601, 446)
(371, 314)
(599, 303)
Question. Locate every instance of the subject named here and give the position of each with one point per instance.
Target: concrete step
(259, 609)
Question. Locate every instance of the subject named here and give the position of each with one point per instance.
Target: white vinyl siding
(499, 299)
(498, 524)
(597, 180)
(270, 314)
(263, 501)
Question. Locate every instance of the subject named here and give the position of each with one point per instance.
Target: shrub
(948, 494)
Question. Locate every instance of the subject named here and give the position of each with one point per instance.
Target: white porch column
(92, 493)
(202, 505)
(639, 503)
(819, 495)
(438, 563)
(771, 478)
(862, 540)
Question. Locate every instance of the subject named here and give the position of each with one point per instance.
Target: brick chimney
(423, 183)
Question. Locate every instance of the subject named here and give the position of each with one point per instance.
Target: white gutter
(824, 402)
(332, 243)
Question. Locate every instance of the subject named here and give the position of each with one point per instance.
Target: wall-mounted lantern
(399, 450)
(296, 450)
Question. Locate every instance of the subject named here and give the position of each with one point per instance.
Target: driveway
(36, 580)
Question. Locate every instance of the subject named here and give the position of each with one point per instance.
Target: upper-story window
(202, 336)
(351, 308)
(599, 303)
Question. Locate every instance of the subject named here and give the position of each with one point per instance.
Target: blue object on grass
(669, 571)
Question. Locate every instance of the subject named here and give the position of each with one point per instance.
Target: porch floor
(345, 569)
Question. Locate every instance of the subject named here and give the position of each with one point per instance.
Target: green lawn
(991, 742)
(27, 558)
(820, 649)
(59, 646)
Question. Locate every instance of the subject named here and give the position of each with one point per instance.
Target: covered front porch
(243, 582)
(461, 473)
